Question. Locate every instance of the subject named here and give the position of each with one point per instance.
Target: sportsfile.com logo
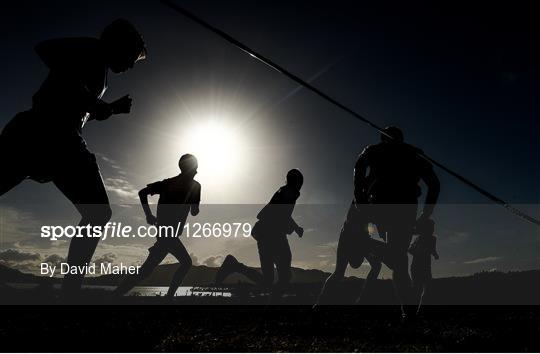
(120, 230)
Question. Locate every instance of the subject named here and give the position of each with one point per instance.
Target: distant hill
(485, 288)
(204, 276)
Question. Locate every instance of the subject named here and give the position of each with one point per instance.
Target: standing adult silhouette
(387, 175)
(45, 143)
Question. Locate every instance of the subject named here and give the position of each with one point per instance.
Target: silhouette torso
(176, 195)
(277, 214)
(395, 170)
(77, 79)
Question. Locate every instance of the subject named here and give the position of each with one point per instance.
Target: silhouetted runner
(387, 175)
(354, 246)
(178, 196)
(45, 143)
(274, 223)
(423, 247)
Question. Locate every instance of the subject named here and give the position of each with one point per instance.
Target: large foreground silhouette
(45, 143)
(386, 191)
(388, 175)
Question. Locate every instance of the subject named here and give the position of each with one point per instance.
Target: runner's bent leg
(266, 256)
(283, 264)
(345, 250)
(82, 184)
(251, 273)
(9, 178)
(231, 265)
(371, 278)
(401, 220)
(12, 171)
(179, 251)
(156, 255)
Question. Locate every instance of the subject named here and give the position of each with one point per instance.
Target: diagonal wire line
(276, 102)
(276, 67)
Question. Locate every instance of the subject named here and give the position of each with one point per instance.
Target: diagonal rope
(276, 67)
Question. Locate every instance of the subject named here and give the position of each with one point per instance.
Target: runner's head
(124, 45)
(394, 132)
(295, 179)
(188, 164)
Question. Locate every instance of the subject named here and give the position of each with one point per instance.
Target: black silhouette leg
(11, 174)
(398, 242)
(9, 179)
(155, 257)
(421, 276)
(179, 251)
(342, 261)
(283, 265)
(371, 278)
(232, 265)
(266, 256)
(84, 187)
(251, 273)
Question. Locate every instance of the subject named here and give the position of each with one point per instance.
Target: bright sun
(217, 147)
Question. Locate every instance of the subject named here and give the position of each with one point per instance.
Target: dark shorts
(398, 220)
(353, 236)
(355, 242)
(274, 250)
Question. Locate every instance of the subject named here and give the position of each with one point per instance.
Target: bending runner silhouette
(387, 175)
(45, 143)
(354, 246)
(274, 223)
(178, 196)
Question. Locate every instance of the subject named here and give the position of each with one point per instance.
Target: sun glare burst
(217, 146)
